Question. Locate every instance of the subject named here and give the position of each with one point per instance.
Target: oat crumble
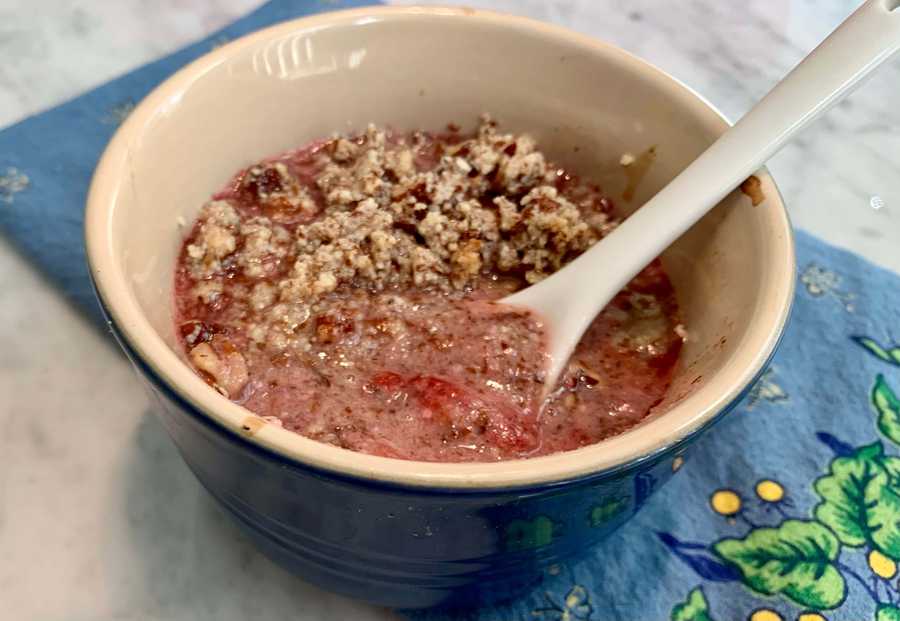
(390, 216)
(346, 291)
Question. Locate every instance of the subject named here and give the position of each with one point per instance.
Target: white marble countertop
(112, 524)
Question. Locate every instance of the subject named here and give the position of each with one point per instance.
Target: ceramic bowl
(404, 533)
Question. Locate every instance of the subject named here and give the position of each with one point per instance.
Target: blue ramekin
(411, 534)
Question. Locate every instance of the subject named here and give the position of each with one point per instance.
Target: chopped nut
(208, 290)
(277, 191)
(215, 239)
(344, 150)
(486, 203)
(226, 366)
(263, 295)
(752, 187)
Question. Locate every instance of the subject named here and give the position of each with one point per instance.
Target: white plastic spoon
(569, 300)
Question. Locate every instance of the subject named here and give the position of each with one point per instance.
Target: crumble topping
(215, 239)
(382, 210)
(347, 291)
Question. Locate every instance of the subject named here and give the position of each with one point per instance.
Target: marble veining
(99, 518)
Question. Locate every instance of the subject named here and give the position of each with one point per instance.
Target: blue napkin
(787, 510)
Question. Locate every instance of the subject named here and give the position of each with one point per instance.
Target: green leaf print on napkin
(694, 608)
(891, 465)
(890, 354)
(887, 613)
(888, 407)
(859, 501)
(796, 559)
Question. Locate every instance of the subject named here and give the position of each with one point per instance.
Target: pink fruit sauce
(348, 290)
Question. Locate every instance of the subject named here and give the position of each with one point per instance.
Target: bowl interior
(585, 102)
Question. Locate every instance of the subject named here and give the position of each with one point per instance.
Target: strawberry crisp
(348, 290)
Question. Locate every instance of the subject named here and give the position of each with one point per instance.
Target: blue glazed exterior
(391, 544)
(404, 547)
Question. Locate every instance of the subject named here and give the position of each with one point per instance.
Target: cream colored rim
(655, 435)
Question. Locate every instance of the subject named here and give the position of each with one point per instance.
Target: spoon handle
(570, 299)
